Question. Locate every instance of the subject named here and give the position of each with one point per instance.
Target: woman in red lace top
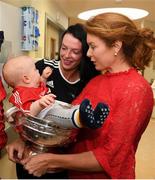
(117, 49)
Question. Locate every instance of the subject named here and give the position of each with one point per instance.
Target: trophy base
(37, 148)
(34, 149)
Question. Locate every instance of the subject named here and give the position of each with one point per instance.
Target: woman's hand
(15, 150)
(39, 164)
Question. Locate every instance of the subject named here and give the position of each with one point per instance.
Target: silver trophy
(41, 134)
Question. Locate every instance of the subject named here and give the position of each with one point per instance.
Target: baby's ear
(25, 79)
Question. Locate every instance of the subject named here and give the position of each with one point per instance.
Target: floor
(145, 166)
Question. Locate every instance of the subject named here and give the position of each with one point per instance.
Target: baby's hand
(47, 100)
(46, 73)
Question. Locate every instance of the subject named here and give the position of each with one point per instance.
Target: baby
(31, 95)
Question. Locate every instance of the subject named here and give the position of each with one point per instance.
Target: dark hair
(40, 65)
(86, 67)
(1, 38)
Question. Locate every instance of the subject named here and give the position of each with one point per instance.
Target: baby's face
(35, 76)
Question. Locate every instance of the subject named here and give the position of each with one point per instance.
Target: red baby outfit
(114, 145)
(22, 97)
(3, 136)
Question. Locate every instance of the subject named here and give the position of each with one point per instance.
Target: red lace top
(114, 145)
(3, 136)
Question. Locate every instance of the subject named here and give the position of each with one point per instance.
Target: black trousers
(23, 174)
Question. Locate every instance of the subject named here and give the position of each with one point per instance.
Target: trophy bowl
(40, 135)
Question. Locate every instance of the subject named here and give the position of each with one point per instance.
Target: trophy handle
(15, 117)
(11, 111)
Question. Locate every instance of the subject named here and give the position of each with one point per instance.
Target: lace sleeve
(127, 121)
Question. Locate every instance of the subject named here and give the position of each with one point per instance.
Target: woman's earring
(115, 54)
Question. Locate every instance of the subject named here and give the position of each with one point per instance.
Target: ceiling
(73, 7)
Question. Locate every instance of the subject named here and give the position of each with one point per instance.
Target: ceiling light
(132, 13)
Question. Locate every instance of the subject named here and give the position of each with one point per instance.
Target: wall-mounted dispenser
(30, 29)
